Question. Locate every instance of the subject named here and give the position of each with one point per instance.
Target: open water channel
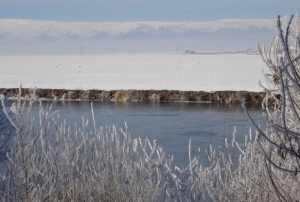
(171, 124)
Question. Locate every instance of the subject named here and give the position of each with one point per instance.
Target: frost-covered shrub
(6, 130)
(280, 144)
(53, 162)
(58, 163)
(268, 168)
(7, 133)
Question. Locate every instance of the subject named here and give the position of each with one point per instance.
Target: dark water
(171, 124)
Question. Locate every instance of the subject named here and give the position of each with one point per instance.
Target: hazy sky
(145, 10)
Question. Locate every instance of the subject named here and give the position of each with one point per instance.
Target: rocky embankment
(143, 95)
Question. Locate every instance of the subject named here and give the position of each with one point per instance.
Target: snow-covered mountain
(13, 29)
(134, 36)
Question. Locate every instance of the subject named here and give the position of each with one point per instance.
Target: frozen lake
(139, 71)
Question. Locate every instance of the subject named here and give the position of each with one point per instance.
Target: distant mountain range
(30, 36)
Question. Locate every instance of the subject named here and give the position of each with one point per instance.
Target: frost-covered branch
(280, 144)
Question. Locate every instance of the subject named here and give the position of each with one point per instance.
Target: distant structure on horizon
(247, 51)
(190, 52)
(250, 51)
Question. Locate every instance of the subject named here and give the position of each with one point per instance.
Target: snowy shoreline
(137, 77)
(228, 97)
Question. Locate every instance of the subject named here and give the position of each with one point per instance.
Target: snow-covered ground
(133, 71)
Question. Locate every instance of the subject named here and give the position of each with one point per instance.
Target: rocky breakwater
(143, 95)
